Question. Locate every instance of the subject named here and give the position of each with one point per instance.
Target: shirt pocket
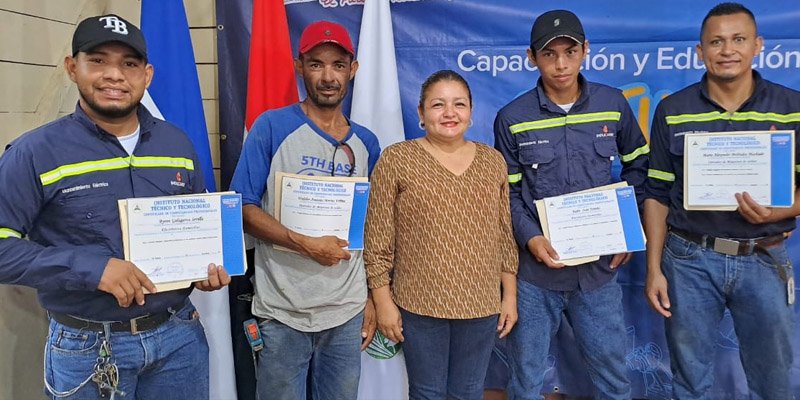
(537, 161)
(606, 152)
(676, 144)
(89, 218)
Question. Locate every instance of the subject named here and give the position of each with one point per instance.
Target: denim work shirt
(691, 110)
(61, 183)
(551, 152)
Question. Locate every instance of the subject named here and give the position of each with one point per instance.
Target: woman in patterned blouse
(439, 247)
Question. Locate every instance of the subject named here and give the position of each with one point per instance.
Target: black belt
(733, 247)
(134, 326)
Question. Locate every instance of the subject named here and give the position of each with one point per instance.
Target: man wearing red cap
(310, 302)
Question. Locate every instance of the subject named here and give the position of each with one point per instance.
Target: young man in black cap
(561, 137)
(61, 184)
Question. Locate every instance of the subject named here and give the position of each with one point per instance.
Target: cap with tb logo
(94, 31)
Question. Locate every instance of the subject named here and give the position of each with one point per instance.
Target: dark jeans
(447, 358)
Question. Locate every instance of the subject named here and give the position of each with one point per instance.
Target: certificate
(173, 239)
(719, 165)
(323, 206)
(584, 225)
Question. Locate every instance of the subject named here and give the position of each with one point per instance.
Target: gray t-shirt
(289, 287)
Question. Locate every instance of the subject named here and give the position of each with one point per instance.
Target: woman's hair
(439, 76)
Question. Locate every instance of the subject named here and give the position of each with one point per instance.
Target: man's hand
(326, 250)
(753, 212)
(369, 325)
(619, 259)
(125, 282)
(656, 292)
(508, 315)
(217, 279)
(540, 247)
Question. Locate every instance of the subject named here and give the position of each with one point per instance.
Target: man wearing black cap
(561, 137)
(61, 185)
(310, 302)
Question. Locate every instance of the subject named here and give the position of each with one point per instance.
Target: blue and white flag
(376, 105)
(175, 89)
(174, 96)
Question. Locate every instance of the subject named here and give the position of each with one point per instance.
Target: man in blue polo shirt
(561, 137)
(702, 262)
(61, 183)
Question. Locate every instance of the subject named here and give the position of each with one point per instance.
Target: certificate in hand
(172, 239)
(718, 165)
(323, 206)
(584, 225)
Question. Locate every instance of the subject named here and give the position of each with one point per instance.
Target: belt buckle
(134, 324)
(726, 246)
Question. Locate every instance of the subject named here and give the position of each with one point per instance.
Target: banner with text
(648, 51)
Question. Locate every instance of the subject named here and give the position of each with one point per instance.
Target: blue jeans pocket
(74, 342)
(774, 257)
(71, 355)
(680, 248)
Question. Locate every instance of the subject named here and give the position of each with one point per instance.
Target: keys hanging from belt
(105, 373)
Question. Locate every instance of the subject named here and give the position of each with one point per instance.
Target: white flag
(376, 105)
(376, 93)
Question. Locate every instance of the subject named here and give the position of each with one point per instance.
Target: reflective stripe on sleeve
(7, 233)
(636, 153)
(660, 175)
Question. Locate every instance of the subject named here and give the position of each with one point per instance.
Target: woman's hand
(390, 323)
(508, 315)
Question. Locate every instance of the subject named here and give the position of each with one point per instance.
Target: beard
(326, 101)
(109, 112)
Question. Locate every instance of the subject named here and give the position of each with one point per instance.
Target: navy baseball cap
(555, 24)
(94, 31)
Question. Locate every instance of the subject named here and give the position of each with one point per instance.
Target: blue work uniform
(61, 183)
(551, 152)
(749, 278)
(771, 107)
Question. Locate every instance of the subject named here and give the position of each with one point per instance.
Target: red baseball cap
(325, 32)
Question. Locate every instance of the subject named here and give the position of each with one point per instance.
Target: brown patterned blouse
(442, 239)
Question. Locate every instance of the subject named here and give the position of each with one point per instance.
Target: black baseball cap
(555, 24)
(94, 31)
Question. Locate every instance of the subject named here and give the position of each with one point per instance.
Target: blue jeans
(598, 323)
(447, 358)
(170, 361)
(701, 283)
(332, 356)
